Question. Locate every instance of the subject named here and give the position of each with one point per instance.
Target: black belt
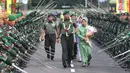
(50, 34)
(68, 34)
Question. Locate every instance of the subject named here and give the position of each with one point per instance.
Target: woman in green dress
(85, 49)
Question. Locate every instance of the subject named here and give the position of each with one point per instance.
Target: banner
(122, 6)
(9, 2)
(126, 5)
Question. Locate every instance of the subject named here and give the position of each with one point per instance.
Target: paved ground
(99, 63)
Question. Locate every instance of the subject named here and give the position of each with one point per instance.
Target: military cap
(126, 13)
(18, 15)
(65, 12)
(118, 14)
(11, 17)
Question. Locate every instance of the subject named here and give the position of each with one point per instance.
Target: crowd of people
(73, 32)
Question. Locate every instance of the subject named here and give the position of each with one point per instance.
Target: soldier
(74, 51)
(50, 28)
(67, 38)
(84, 46)
(124, 17)
(11, 20)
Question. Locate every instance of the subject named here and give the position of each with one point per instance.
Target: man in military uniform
(50, 28)
(74, 51)
(67, 38)
(11, 20)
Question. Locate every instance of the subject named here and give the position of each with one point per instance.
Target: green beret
(118, 14)
(126, 13)
(18, 15)
(11, 17)
(65, 12)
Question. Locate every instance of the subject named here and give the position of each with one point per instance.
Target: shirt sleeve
(75, 25)
(56, 27)
(60, 26)
(79, 35)
(43, 26)
(74, 36)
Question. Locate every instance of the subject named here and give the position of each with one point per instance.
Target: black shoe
(89, 58)
(69, 65)
(48, 56)
(52, 58)
(89, 64)
(73, 57)
(65, 66)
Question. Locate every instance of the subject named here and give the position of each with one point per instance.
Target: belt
(68, 34)
(50, 35)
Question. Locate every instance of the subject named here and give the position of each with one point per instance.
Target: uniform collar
(50, 21)
(67, 19)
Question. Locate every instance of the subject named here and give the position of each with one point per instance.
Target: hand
(42, 39)
(58, 40)
(70, 22)
(74, 41)
(73, 32)
(85, 39)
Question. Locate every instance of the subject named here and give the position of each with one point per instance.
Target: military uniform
(50, 28)
(74, 50)
(67, 40)
(15, 48)
(6, 53)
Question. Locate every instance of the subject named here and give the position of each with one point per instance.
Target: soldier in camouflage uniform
(50, 28)
(67, 38)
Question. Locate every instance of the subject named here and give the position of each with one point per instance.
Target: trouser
(75, 50)
(67, 46)
(78, 50)
(85, 51)
(50, 40)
